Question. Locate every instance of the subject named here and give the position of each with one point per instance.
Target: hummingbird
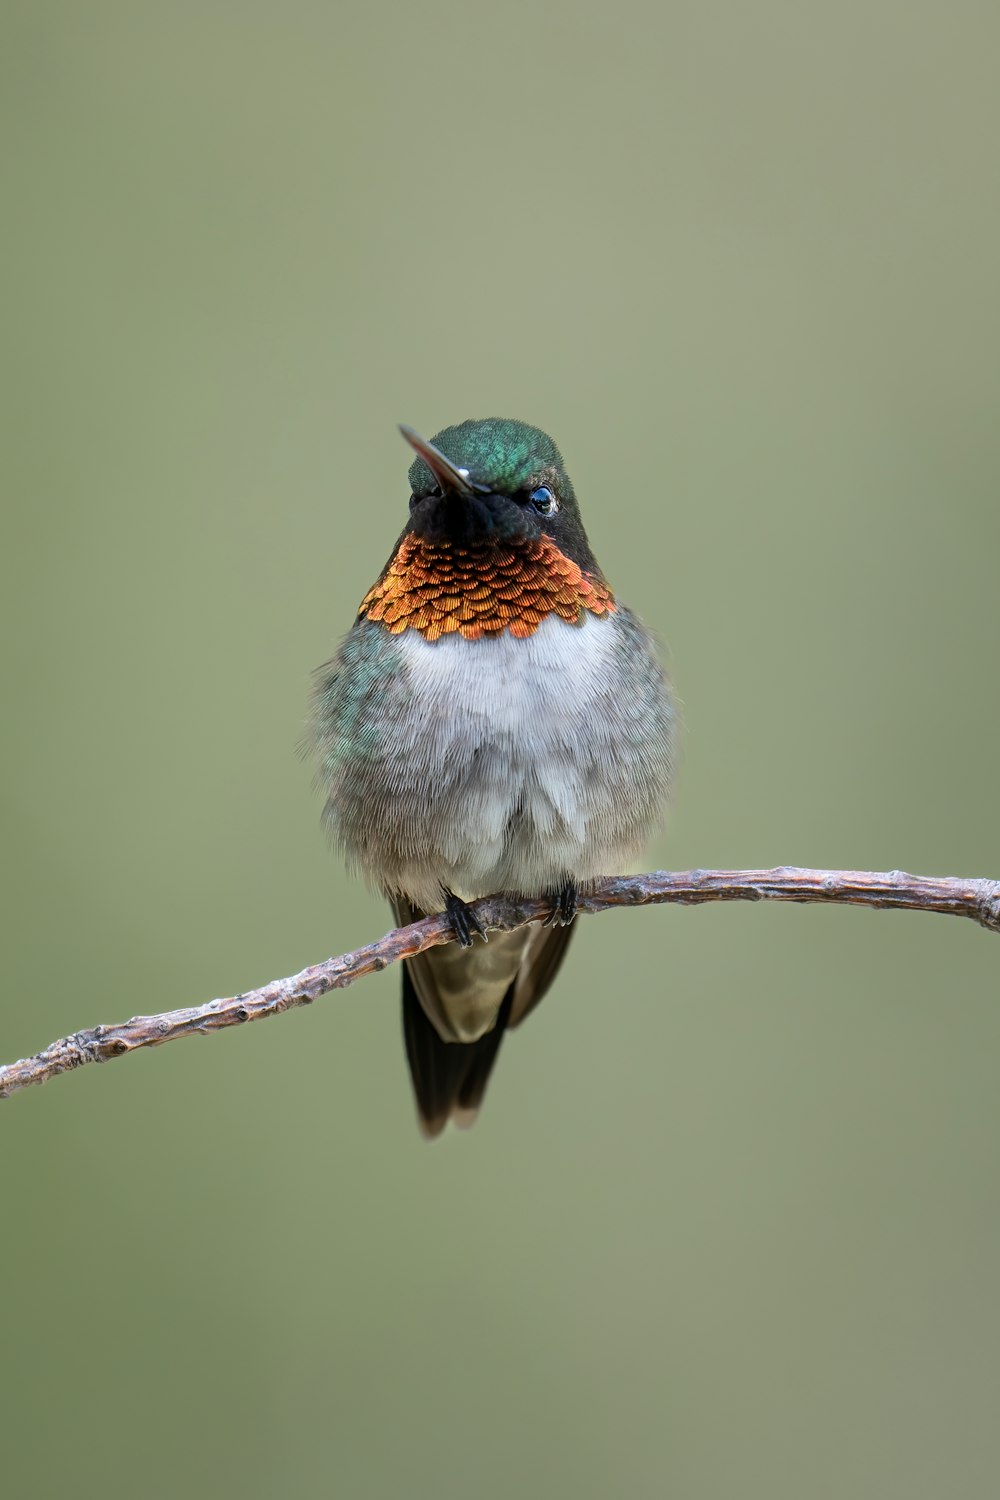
(495, 721)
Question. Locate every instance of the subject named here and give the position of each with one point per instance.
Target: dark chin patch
(475, 521)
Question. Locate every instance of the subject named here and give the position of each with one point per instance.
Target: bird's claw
(464, 920)
(563, 906)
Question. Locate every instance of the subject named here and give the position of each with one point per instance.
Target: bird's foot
(563, 905)
(463, 920)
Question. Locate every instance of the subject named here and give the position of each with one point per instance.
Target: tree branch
(978, 899)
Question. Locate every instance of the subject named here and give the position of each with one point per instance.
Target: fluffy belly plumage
(501, 764)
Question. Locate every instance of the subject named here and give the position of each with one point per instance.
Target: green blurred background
(730, 1222)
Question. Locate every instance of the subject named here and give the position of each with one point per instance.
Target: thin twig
(978, 899)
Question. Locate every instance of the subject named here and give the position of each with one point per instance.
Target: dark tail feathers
(449, 1078)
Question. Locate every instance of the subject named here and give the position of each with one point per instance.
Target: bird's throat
(440, 589)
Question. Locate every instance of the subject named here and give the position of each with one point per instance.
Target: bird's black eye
(542, 500)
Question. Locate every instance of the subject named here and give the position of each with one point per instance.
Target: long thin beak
(449, 477)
